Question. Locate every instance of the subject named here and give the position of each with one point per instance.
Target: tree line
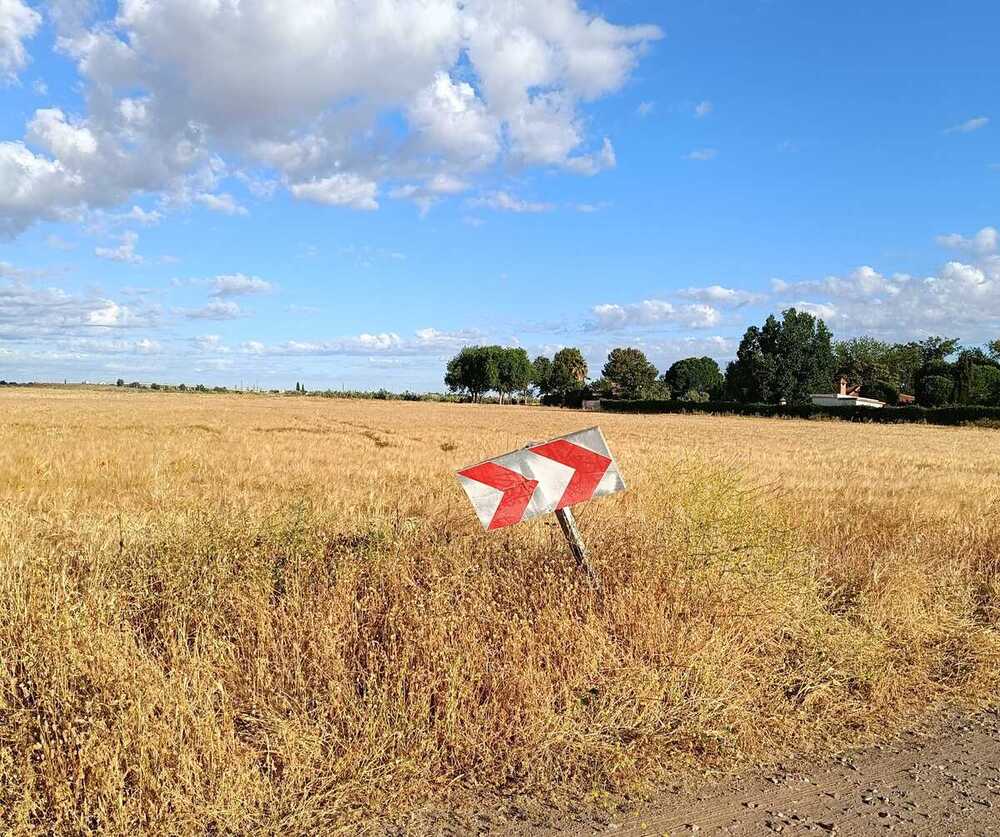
(785, 360)
(563, 379)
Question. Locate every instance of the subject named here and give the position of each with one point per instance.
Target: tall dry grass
(238, 615)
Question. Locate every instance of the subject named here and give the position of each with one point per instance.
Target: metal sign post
(576, 545)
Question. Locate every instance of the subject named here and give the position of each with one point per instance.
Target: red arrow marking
(590, 468)
(516, 490)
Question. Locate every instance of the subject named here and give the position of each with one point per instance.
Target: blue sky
(346, 193)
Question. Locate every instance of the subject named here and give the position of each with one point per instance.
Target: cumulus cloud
(644, 109)
(702, 155)
(238, 284)
(653, 312)
(18, 23)
(962, 297)
(703, 109)
(30, 312)
(336, 102)
(124, 252)
(425, 195)
(224, 203)
(982, 243)
(339, 190)
(725, 297)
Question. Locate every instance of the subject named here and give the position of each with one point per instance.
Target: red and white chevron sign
(540, 479)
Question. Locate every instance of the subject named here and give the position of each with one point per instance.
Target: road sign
(540, 479)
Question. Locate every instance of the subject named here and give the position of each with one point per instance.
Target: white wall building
(847, 397)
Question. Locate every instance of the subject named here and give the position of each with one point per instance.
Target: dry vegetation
(237, 614)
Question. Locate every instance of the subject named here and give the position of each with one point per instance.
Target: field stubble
(235, 614)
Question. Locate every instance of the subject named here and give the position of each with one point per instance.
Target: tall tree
(694, 375)
(569, 372)
(514, 371)
(629, 373)
(786, 359)
(541, 376)
(473, 370)
(864, 360)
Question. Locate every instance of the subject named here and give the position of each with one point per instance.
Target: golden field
(249, 614)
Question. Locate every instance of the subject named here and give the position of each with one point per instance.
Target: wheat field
(249, 614)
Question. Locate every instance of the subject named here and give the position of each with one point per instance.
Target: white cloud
(702, 154)
(718, 295)
(148, 218)
(18, 23)
(339, 190)
(238, 284)
(960, 299)
(645, 108)
(430, 192)
(124, 252)
(703, 109)
(982, 243)
(210, 343)
(216, 309)
(969, 125)
(653, 312)
(428, 341)
(29, 312)
(505, 202)
(224, 203)
(334, 101)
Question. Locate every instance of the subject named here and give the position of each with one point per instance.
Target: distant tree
(541, 374)
(863, 360)
(694, 375)
(514, 371)
(985, 386)
(120, 382)
(474, 370)
(785, 359)
(629, 373)
(933, 353)
(936, 390)
(569, 372)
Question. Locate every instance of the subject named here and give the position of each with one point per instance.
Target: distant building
(847, 397)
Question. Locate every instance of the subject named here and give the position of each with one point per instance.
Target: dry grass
(232, 615)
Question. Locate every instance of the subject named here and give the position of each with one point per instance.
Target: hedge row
(885, 415)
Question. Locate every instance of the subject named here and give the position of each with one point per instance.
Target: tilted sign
(540, 479)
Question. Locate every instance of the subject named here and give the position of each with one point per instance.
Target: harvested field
(238, 614)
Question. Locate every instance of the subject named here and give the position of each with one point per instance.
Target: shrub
(953, 415)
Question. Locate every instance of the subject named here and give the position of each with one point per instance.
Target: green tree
(934, 353)
(120, 382)
(569, 372)
(936, 390)
(541, 374)
(694, 375)
(786, 359)
(629, 373)
(514, 371)
(863, 360)
(473, 370)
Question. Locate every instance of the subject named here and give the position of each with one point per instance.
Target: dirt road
(941, 781)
